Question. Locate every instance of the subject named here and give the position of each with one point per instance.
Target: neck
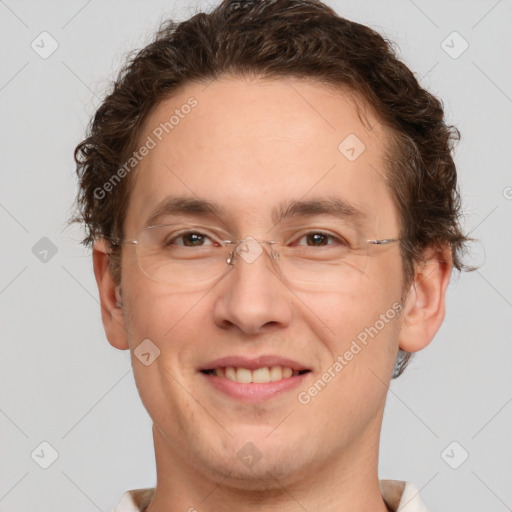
(345, 481)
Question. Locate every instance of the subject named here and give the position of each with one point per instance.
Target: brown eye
(188, 239)
(193, 239)
(317, 239)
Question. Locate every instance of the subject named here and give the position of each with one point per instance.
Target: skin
(249, 144)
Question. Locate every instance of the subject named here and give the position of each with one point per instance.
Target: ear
(424, 305)
(110, 297)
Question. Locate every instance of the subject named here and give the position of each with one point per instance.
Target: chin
(255, 468)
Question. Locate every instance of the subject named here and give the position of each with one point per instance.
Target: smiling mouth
(258, 376)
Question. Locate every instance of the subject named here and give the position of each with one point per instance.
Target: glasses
(191, 254)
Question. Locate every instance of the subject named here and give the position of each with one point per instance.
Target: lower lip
(254, 392)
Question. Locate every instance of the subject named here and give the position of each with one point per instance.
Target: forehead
(251, 144)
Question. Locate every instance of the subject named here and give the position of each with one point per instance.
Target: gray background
(60, 380)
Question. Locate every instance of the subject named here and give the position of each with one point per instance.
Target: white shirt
(399, 496)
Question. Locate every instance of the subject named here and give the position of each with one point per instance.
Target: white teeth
(243, 375)
(231, 373)
(260, 375)
(287, 372)
(276, 373)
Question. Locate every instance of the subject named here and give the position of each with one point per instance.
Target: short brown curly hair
(281, 38)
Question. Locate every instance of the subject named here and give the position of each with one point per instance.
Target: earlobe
(424, 305)
(110, 297)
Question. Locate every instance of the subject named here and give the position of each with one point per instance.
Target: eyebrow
(332, 206)
(183, 205)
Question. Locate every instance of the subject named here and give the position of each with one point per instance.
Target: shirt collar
(398, 495)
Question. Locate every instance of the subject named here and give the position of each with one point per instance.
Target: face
(271, 160)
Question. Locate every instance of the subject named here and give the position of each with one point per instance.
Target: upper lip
(254, 363)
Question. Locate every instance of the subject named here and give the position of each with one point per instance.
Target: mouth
(254, 380)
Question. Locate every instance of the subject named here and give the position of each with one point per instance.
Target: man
(273, 209)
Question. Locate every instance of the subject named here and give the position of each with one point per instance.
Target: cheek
(366, 333)
(347, 312)
(359, 328)
(169, 322)
(354, 382)
(164, 325)
(154, 310)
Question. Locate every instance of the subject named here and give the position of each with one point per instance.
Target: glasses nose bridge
(250, 249)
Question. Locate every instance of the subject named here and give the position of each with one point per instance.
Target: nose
(252, 298)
